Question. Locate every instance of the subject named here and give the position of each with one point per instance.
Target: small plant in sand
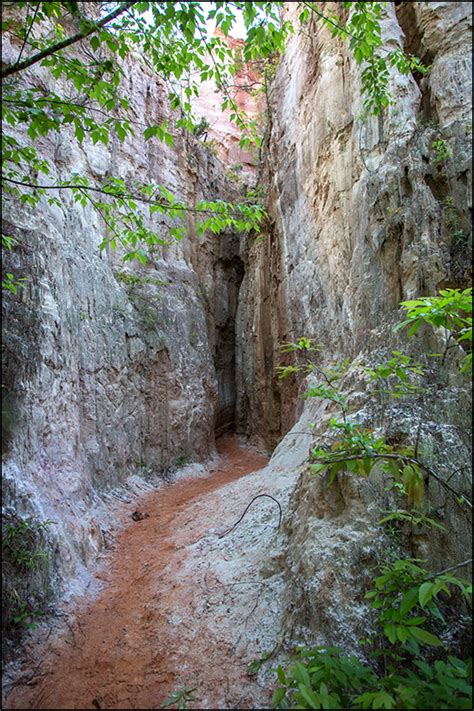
(179, 698)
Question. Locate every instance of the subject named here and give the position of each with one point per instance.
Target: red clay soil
(123, 650)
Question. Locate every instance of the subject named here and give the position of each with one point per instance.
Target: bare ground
(180, 605)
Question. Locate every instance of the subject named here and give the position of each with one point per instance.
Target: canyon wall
(111, 368)
(105, 377)
(362, 214)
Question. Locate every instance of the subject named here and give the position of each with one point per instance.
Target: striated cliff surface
(362, 214)
(113, 370)
(106, 378)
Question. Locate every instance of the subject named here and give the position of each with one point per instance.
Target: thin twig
(140, 198)
(417, 440)
(452, 567)
(247, 508)
(27, 33)
(456, 471)
(86, 107)
(320, 14)
(401, 457)
(48, 51)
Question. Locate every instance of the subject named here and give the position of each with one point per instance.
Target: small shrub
(25, 559)
(182, 460)
(21, 545)
(406, 662)
(133, 280)
(442, 151)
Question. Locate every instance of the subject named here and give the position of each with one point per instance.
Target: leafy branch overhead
(84, 58)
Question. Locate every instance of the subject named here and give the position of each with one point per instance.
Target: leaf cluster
(407, 600)
(442, 151)
(173, 41)
(328, 678)
(397, 371)
(451, 309)
(179, 698)
(20, 542)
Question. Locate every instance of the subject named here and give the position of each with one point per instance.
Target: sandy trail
(147, 633)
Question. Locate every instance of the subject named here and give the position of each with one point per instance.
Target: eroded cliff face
(362, 214)
(106, 377)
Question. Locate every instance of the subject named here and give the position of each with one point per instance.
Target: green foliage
(12, 283)
(233, 172)
(407, 665)
(254, 666)
(134, 280)
(442, 151)
(365, 40)
(358, 449)
(414, 517)
(399, 369)
(307, 350)
(182, 460)
(407, 600)
(328, 678)
(25, 561)
(307, 345)
(83, 93)
(9, 281)
(451, 214)
(201, 127)
(450, 310)
(20, 543)
(179, 698)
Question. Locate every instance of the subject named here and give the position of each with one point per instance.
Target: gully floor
(155, 626)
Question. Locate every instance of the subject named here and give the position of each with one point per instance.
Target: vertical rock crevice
(229, 276)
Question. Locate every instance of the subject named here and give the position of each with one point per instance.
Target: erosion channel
(236, 280)
(177, 603)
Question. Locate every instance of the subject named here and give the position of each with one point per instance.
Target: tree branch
(18, 67)
(140, 198)
(402, 457)
(324, 17)
(448, 570)
(27, 34)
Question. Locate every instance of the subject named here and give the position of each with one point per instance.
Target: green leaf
(281, 675)
(310, 696)
(409, 600)
(425, 593)
(425, 637)
(300, 673)
(390, 631)
(278, 696)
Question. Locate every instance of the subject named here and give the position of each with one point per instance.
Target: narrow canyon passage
(163, 619)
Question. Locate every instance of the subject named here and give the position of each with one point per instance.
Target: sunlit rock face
(361, 212)
(105, 377)
(247, 91)
(362, 215)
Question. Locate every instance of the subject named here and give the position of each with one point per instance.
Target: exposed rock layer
(105, 377)
(362, 214)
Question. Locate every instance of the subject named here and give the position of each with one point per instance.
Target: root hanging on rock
(247, 508)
